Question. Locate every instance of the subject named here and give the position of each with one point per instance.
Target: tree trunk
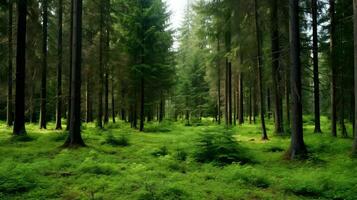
(354, 148)
(59, 68)
(218, 82)
(142, 104)
(250, 105)
(297, 149)
(101, 78)
(75, 138)
(113, 98)
(43, 111)
(241, 99)
(315, 50)
(333, 70)
(230, 93)
(260, 75)
(10, 114)
(89, 108)
(70, 69)
(278, 104)
(19, 124)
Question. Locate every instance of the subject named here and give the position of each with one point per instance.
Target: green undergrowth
(174, 161)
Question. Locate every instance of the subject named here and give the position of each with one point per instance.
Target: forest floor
(121, 163)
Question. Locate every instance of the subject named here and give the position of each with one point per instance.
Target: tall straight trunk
(43, 107)
(59, 68)
(354, 148)
(142, 104)
(161, 108)
(254, 103)
(268, 103)
(241, 99)
(230, 93)
(19, 124)
(70, 68)
(250, 105)
(287, 95)
(106, 83)
(89, 108)
(260, 75)
(113, 98)
(275, 46)
(101, 78)
(333, 70)
(10, 114)
(226, 106)
(298, 148)
(75, 138)
(218, 82)
(315, 50)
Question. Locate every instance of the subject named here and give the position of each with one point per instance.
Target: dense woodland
(286, 68)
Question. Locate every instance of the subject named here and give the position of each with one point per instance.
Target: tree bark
(241, 99)
(333, 70)
(218, 82)
(142, 104)
(89, 108)
(354, 148)
(19, 124)
(75, 138)
(260, 75)
(315, 50)
(43, 107)
(70, 69)
(10, 114)
(101, 78)
(278, 104)
(298, 148)
(59, 68)
(113, 98)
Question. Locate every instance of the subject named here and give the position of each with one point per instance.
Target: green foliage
(162, 151)
(122, 140)
(220, 148)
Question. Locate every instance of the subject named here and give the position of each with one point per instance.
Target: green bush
(181, 155)
(162, 151)
(15, 180)
(121, 141)
(219, 148)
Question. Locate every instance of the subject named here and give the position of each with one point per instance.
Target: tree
(297, 149)
(59, 67)
(333, 70)
(354, 149)
(315, 50)
(10, 65)
(75, 139)
(43, 110)
(260, 65)
(19, 124)
(275, 40)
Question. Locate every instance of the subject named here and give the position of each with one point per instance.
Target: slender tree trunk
(230, 93)
(70, 69)
(226, 94)
(113, 98)
(75, 138)
(315, 50)
(89, 108)
(59, 68)
(43, 108)
(268, 103)
(19, 124)
(142, 104)
(260, 75)
(333, 70)
(297, 149)
(10, 113)
(101, 78)
(354, 148)
(250, 105)
(278, 107)
(161, 109)
(218, 82)
(241, 99)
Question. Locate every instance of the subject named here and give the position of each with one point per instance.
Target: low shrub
(113, 141)
(219, 148)
(162, 151)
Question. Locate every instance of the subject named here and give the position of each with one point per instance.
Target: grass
(161, 163)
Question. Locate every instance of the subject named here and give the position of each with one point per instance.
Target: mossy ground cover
(121, 163)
